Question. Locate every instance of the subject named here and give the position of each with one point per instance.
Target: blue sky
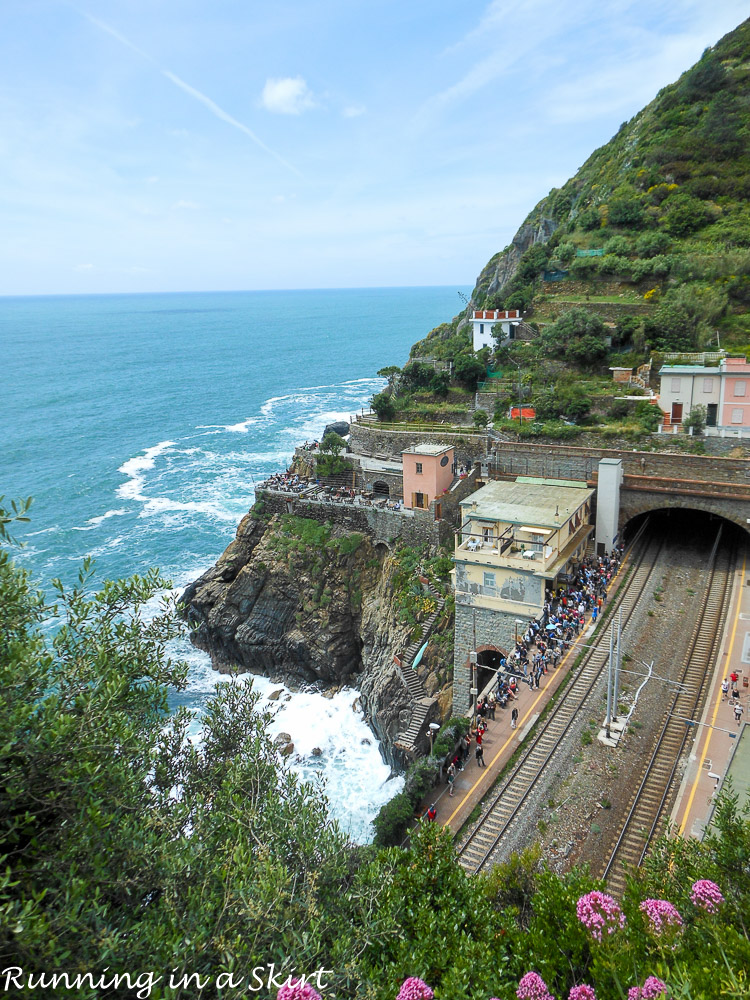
(166, 145)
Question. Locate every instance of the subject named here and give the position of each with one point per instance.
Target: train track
(652, 798)
(538, 753)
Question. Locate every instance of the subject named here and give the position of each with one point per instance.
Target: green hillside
(666, 206)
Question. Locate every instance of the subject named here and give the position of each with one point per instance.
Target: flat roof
(688, 370)
(427, 449)
(539, 502)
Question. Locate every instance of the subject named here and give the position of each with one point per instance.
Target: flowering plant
(652, 989)
(661, 915)
(599, 914)
(582, 992)
(706, 895)
(414, 989)
(296, 989)
(533, 987)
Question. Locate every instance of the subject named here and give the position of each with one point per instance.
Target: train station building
(515, 540)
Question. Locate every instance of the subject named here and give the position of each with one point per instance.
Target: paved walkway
(717, 751)
(500, 742)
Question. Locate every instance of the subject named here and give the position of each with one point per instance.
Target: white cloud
(353, 111)
(288, 95)
(184, 204)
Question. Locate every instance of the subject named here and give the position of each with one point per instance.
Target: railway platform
(499, 744)
(718, 750)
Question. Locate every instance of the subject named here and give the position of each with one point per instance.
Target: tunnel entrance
(488, 663)
(684, 523)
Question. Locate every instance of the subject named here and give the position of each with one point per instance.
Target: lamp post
(433, 727)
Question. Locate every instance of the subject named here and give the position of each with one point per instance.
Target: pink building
(735, 393)
(428, 473)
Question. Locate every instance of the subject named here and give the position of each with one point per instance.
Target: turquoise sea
(139, 424)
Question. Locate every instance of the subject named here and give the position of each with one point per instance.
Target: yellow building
(516, 538)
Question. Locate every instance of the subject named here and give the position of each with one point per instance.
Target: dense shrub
(685, 214)
(393, 820)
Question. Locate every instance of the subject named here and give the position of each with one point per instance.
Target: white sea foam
(104, 517)
(132, 490)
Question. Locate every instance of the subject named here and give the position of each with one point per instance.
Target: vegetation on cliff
(127, 848)
(662, 212)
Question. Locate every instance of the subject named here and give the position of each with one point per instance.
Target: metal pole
(618, 666)
(609, 679)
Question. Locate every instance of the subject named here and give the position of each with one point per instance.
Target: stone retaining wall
(383, 526)
(557, 461)
(495, 629)
(373, 440)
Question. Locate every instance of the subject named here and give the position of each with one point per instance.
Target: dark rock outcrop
(502, 267)
(340, 427)
(305, 615)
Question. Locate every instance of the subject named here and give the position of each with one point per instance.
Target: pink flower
(661, 915)
(533, 987)
(414, 989)
(296, 989)
(582, 992)
(652, 989)
(599, 914)
(706, 895)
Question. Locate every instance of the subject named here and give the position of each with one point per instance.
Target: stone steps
(421, 701)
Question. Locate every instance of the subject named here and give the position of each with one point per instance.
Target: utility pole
(608, 722)
(618, 666)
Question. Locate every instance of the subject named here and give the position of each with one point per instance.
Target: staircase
(421, 701)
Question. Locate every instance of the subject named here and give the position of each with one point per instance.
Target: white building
(483, 321)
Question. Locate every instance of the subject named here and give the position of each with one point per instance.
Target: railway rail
(538, 752)
(652, 798)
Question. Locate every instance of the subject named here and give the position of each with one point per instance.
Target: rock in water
(283, 743)
(339, 427)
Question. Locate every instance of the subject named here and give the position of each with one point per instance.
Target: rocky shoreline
(307, 611)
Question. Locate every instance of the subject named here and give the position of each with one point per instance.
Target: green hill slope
(656, 222)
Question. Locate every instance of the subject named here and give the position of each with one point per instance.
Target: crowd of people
(540, 648)
(287, 482)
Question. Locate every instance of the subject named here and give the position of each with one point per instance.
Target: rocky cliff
(302, 603)
(501, 269)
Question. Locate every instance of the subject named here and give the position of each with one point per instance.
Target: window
(481, 328)
(489, 582)
(675, 385)
(708, 384)
(740, 388)
(419, 468)
(487, 536)
(737, 415)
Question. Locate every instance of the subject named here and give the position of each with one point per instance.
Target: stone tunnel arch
(381, 488)
(735, 509)
(703, 514)
(488, 662)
